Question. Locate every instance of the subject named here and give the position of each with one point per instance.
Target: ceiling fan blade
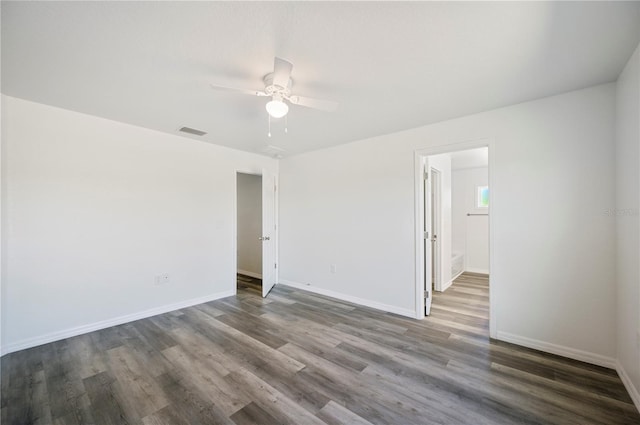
(281, 72)
(323, 105)
(235, 89)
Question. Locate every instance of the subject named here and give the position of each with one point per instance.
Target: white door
(426, 219)
(435, 229)
(268, 231)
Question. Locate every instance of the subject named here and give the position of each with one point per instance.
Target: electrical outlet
(333, 268)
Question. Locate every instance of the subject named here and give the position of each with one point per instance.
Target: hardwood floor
(248, 283)
(299, 358)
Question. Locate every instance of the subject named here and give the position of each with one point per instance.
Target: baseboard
(79, 330)
(446, 285)
(250, 274)
(476, 271)
(560, 350)
(631, 389)
(349, 298)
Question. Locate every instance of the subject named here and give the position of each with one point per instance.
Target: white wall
(249, 224)
(627, 218)
(95, 209)
(470, 233)
(442, 163)
(2, 227)
(552, 250)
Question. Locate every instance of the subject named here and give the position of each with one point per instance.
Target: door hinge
(426, 235)
(275, 265)
(425, 175)
(426, 295)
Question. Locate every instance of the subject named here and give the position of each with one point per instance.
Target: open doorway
(256, 230)
(452, 212)
(249, 232)
(436, 228)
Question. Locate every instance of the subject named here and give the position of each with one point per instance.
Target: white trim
(628, 384)
(350, 298)
(83, 329)
(560, 350)
(234, 226)
(493, 283)
(474, 270)
(250, 274)
(440, 149)
(269, 228)
(276, 221)
(446, 285)
(456, 276)
(276, 240)
(419, 236)
(436, 249)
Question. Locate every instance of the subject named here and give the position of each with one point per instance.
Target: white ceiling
(392, 66)
(471, 158)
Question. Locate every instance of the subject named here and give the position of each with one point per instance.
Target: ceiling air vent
(192, 131)
(273, 151)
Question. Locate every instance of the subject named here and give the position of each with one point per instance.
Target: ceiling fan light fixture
(277, 108)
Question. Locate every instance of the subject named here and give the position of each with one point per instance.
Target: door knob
(264, 238)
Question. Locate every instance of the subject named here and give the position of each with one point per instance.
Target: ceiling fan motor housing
(272, 89)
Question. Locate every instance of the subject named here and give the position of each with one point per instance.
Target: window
(482, 200)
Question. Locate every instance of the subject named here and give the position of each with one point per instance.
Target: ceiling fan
(277, 85)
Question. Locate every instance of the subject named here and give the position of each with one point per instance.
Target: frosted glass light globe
(277, 108)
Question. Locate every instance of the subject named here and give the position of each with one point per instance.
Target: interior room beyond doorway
(456, 219)
(249, 231)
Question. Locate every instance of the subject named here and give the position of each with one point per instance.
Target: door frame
(420, 156)
(436, 225)
(426, 246)
(234, 242)
(269, 228)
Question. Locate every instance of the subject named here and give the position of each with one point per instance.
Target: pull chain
(269, 133)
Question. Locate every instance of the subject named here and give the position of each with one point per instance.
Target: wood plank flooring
(299, 358)
(248, 283)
